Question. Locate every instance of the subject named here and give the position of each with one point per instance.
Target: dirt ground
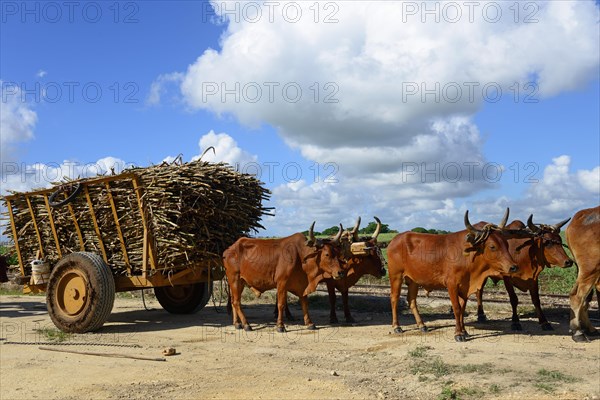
(364, 360)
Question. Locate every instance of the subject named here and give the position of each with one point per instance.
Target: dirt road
(360, 361)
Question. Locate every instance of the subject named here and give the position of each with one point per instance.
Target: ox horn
(311, 233)
(531, 225)
(504, 219)
(561, 224)
(354, 231)
(468, 225)
(337, 237)
(377, 230)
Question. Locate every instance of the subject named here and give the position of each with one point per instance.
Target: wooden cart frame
(151, 275)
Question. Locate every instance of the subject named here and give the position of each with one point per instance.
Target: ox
(457, 261)
(3, 269)
(363, 257)
(533, 248)
(583, 237)
(292, 264)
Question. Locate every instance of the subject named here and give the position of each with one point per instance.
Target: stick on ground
(115, 355)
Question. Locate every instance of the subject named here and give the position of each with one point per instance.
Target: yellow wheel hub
(71, 293)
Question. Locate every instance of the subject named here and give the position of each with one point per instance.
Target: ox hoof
(593, 333)
(546, 326)
(481, 318)
(238, 325)
(350, 320)
(424, 329)
(516, 326)
(398, 330)
(333, 320)
(311, 327)
(460, 338)
(580, 338)
(247, 328)
(281, 329)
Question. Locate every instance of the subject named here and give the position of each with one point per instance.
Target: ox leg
(239, 319)
(459, 336)
(395, 288)
(514, 303)
(288, 313)
(281, 305)
(332, 314)
(481, 317)
(307, 322)
(580, 324)
(347, 315)
(463, 307)
(534, 291)
(413, 290)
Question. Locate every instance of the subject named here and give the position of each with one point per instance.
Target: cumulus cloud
(369, 78)
(161, 85)
(389, 100)
(17, 122)
(23, 177)
(225, 148)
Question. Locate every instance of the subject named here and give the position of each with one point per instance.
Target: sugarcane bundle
(193, 212)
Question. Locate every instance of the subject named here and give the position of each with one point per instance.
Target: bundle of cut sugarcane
(193, 211)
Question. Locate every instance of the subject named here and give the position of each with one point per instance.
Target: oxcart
(162, 227)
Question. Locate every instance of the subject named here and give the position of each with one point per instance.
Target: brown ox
(3, 269)
(457, 261)
(583, 237)
(288, 264)
(533, 248)
(363, 257)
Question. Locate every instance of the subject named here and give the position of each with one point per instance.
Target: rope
(74, 344)
(144, 302)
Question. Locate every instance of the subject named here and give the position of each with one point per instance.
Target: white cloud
(160, 87)
(17, 122)
(226, 150)
(590, 180)
(41, 73)
(377, 64)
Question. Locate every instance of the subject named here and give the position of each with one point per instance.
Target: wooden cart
(81, 286)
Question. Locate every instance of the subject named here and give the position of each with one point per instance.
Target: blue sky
(152, 62)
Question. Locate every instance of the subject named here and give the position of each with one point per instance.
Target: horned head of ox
(327, 253)
(477, 239)
(550, 242)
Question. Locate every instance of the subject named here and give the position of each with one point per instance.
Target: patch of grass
(471, 391)
(484, 368)
(555, 376)
(557, 280)
(435, 366)
(448, 394)
(547, 380)
(544, 387)
(54, 335)
(495, 389)
(419, 351)
(10, 291)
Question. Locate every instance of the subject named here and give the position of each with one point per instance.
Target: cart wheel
(184, 299)
(81, 293)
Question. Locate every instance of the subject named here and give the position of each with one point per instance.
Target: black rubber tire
(81, 271)
(69, 199)
(184, 299)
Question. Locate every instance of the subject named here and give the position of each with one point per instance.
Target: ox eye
(549, 244)
(492, 247)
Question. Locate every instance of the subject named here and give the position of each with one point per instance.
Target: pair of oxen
(460, 262)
